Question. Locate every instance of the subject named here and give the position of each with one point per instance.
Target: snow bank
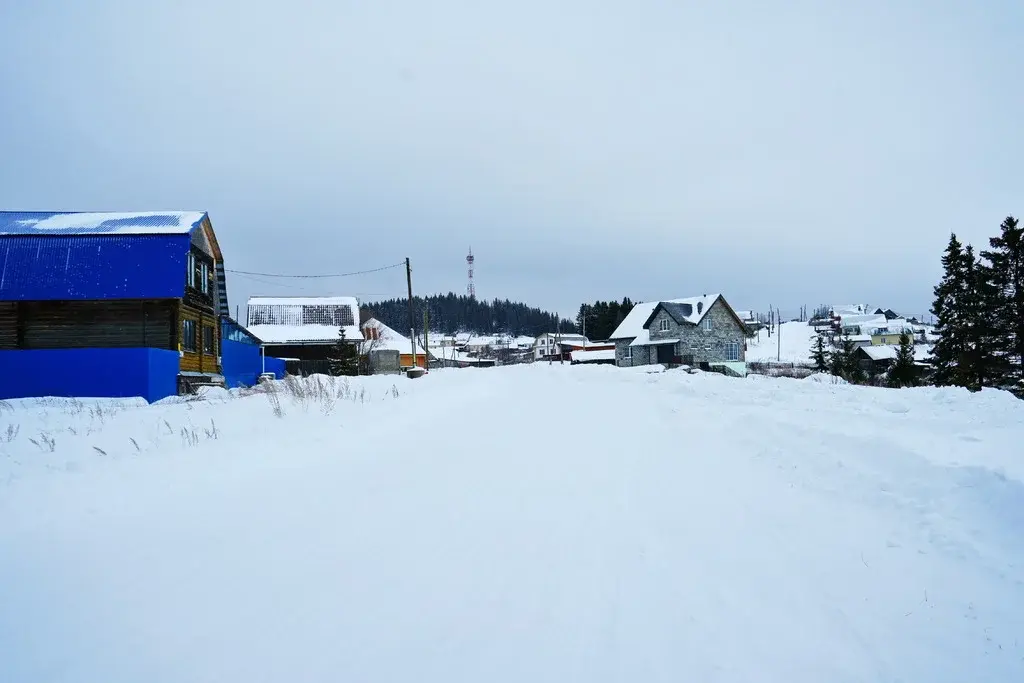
(652, 527)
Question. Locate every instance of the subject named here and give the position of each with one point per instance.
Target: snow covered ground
(796, 342)
(655, 527)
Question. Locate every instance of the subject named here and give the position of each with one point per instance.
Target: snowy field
(794, 346)
(534, 523)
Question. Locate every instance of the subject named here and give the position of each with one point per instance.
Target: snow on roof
(745, 316)
(304, 301)
(848, 309)
(603, 354)
(389, 339)
(876, 353)
(99, 223)
(285, 334)
(871, 320)
(633, 324)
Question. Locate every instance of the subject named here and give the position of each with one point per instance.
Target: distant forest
(451, 313)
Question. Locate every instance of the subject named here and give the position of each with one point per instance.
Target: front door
(665, 354)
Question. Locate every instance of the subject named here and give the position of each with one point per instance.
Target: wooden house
(109, 304)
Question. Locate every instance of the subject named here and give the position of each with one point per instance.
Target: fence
(242, 364)
(89, 373)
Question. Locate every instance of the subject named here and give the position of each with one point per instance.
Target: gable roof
(640, 317)
(99, 223)
(388, 339)
(78, 256)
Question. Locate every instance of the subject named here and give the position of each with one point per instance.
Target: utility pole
(426, 340)
(558, 337)
(412, 320)
(778, 335)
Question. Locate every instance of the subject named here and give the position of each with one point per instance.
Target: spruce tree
(951, 319)
(820, 354)
(903, 373)
(844, 363)
(345, 357)
(1005, 303)
(852, 370)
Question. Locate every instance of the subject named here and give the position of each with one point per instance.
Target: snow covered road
(545, 523)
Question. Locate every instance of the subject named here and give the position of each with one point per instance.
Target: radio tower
(470, 288)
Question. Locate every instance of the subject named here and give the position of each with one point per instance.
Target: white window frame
(204, 275)
(663, 326)
(706, 324)
(629, 353)
(191, 269)
(732, 351)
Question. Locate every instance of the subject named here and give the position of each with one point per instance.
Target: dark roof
(678, 312)
(91, 267)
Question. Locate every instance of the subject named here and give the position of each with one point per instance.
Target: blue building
(109, 304)
(243, 356)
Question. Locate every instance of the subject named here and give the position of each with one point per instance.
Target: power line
(303, 277)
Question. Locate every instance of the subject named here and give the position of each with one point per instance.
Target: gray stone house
(699, 331)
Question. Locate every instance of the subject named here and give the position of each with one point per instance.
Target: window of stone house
(707, 324)
(663, 325)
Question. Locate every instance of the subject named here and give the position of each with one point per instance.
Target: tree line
(451, 313)
(600, 318)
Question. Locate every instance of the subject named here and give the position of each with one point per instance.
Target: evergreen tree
(853, 372)
(951, 318)
(903, 373)
(820, 354)
(1005, 303)
(345, 358)
(843, 362)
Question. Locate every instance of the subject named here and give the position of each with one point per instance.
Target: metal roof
(36, 267)
(99, 223)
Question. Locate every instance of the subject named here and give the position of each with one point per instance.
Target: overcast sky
(782, 153)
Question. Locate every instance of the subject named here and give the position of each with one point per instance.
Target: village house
(385, 350)
(876, 360)
(890, 334)
(553, 344)
(304, 331)
(701, 331)
(109, 304)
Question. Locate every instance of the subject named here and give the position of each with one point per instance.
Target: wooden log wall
(198, 360)
(86, 324)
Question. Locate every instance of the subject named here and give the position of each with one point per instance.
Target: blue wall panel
(242, 365)
(89, 373)
(276, 366)
(86, 267)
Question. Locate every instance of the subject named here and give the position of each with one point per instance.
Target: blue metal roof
(90, 267)
(99, 223)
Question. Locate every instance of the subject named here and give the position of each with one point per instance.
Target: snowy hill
(655, 527)
(796, 341)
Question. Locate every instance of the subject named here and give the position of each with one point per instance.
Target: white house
(553, 344)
